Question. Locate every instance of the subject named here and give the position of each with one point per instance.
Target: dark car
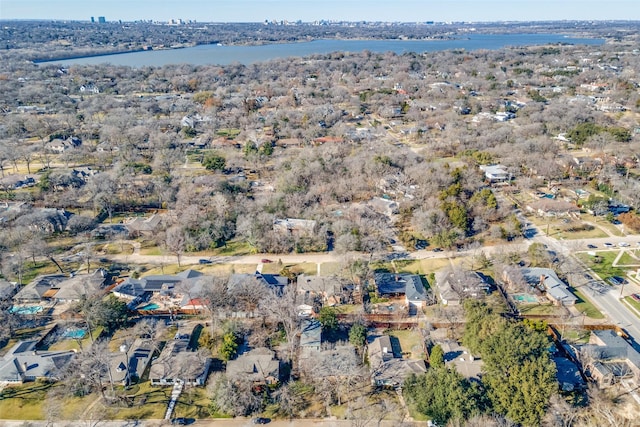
(437, 249)
(592, 246)
(265, 261)
(180, 421)
(261, 420)
(204, 261)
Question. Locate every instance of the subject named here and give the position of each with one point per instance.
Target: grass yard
(146, 402)
(539, 309)
(233, 248)
(193, 403)
(330, 268)
(421, 266)
(604, 268)
(576, 336)
(627, 260)
(410, 343)
(24, 401)
(633, 303)
(583, 305)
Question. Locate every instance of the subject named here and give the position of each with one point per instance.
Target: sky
(312, 10)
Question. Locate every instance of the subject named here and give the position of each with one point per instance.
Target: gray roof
(311, 335)
(409, 285)
(386, 368)
(22, 362)
(614, 348)
(7, 289)
(82, 284)
(271, 281)
(320, 285)
(41, 284)
(553, 285)
(159, 283)
(139, 357)
(256, 365)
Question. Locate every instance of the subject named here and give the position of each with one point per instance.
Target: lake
(223, 55)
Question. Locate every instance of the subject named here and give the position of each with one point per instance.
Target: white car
(623, 244)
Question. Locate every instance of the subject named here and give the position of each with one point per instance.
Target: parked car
(623, 244)
(204, 261)
(265, 261)
(590, 246)
(608, 245)
(617, 280)
(437, 249)
(261, 420)
(636, 297)
(180, 421)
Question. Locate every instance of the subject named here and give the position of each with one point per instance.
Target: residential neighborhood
(438, 238)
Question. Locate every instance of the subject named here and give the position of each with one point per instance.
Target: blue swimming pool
(75, 333)
(150, 306)
(32, 309)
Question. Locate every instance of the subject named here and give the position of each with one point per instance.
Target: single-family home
(43, 287)
(179, 362)
(174, 290)
(544, 279)
(407, 287)
(495, 173)
(310, 335)
(259, 366)
(129, 363)
(23, 363)
(143, 226)
(81, 285)
(553, 208)
(388, 368)
(294, 226)
(59, 145)
(328, 290)
(455, 286)
(610, 357)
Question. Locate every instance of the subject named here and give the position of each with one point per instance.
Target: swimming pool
(31, 309)
(75, 333)
(150, 306)
(525, 298)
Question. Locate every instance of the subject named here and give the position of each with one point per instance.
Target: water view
(223, 55)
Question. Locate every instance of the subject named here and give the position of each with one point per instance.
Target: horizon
(256, 11)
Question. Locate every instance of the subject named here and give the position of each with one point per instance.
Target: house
(384, 206)
(178, 362)
(175, 290)
(81, 285)
(293, 226)
(407, 287)
(143, 226)
(89, 88)
(259, 366)
(454, 287)
(129, 363)
(23, 363)
(328, 290)
(14, 182)
(43, 287)
(612, 357)
(388, 369)
(568, 375)
(547, 280)
(495, 173)
(59, 145)
(553, 208)
(311, 335)
(274, 282)
(7, 289)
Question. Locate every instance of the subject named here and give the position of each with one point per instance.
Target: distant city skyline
(314, 10)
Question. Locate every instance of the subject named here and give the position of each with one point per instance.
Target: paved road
(608, 302)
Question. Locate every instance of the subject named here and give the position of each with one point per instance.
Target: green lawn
(25, 401)
(583, 305)
(627, 260)
(146, 402)
(603, 268)
(633, 303)
(538, 309)
(410, 342)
